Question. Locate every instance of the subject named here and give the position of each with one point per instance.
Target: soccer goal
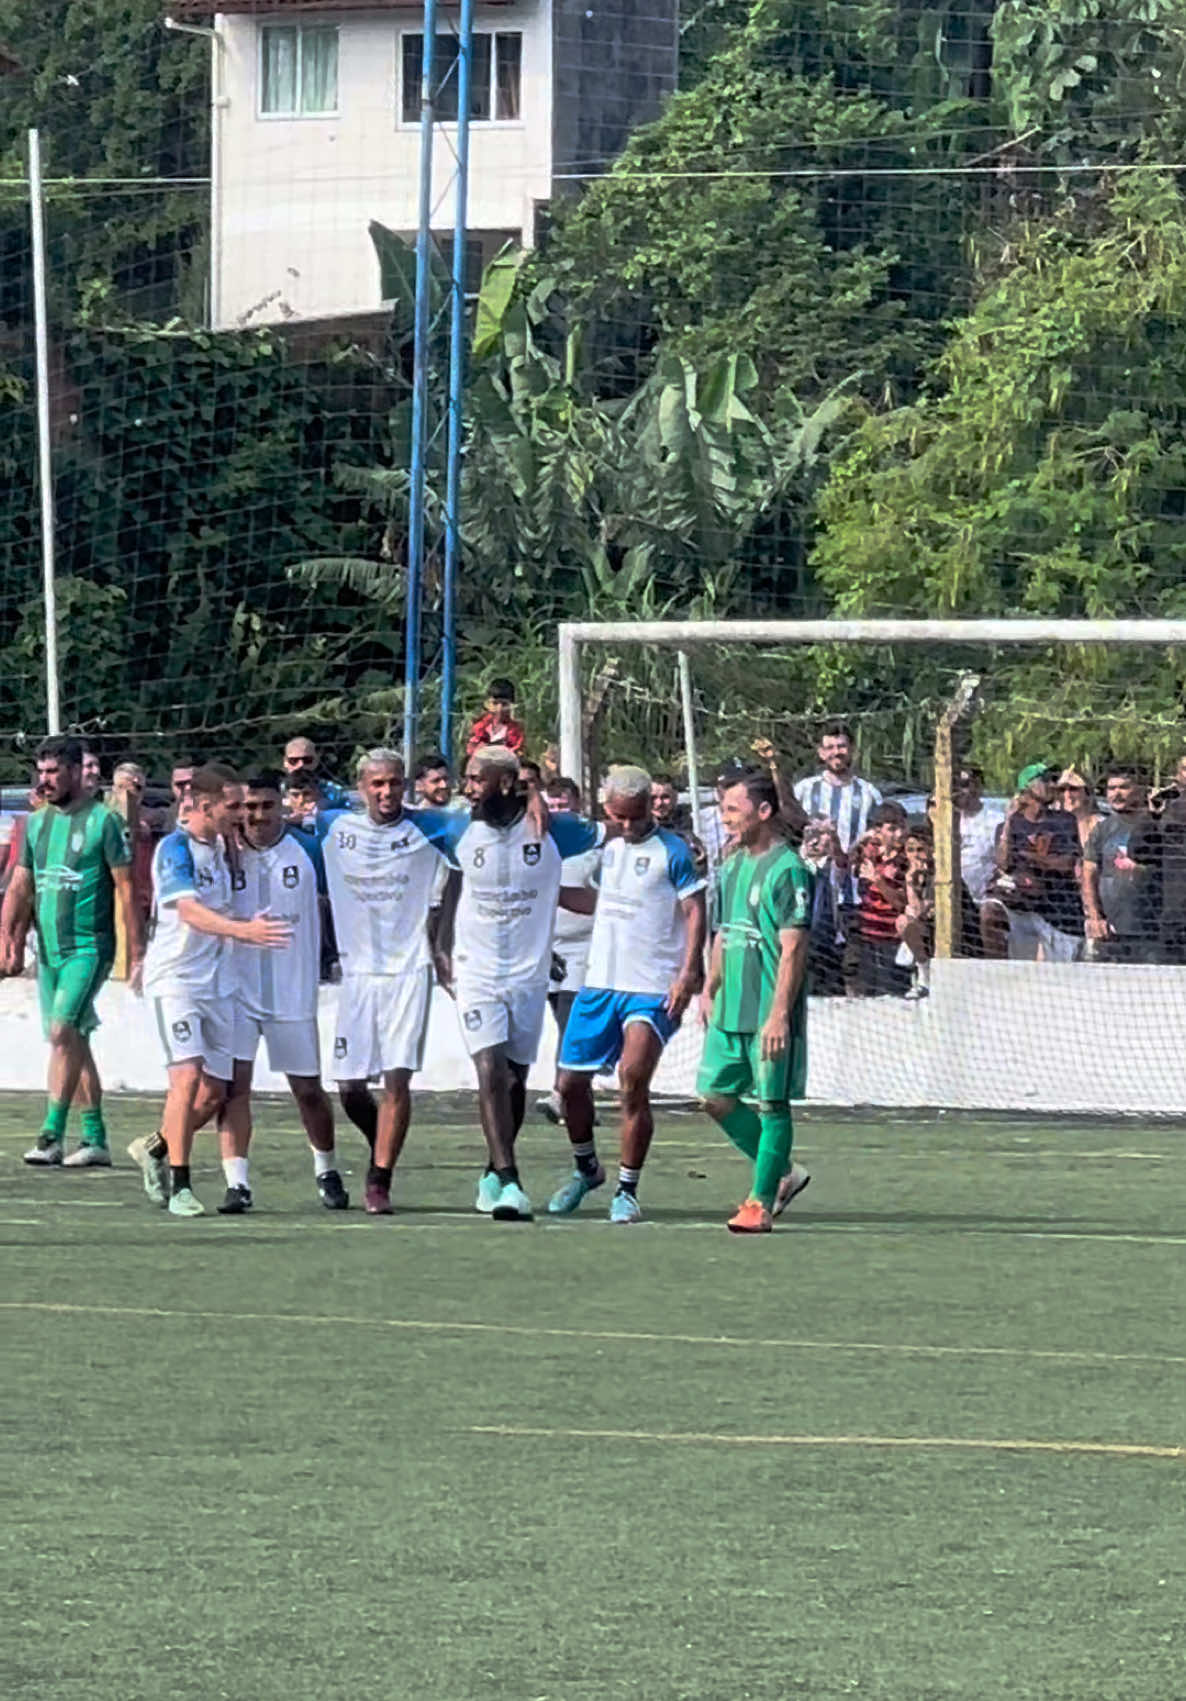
(995, 992)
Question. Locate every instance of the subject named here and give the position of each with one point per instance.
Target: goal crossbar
(684, 634)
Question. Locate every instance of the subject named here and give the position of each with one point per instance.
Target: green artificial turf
(258, 1457)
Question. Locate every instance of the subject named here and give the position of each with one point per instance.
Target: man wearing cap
(1037, 858)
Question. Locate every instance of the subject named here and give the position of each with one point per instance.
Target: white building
(315, 132)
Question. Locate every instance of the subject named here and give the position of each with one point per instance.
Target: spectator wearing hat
(1037, 857)
(1122, 874)
(1076, 796)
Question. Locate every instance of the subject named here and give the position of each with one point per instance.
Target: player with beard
(386, 881)
(509, 856)
(188, 973)
(75, 864)
(279, 872)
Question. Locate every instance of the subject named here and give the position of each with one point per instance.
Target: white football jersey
(179, 956)
(639, 929)
(506, 914)
(383, 879)
(284, 881)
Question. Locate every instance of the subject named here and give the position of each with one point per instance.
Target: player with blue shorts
(646, 963)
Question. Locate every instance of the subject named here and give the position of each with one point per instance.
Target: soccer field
(926, 1440)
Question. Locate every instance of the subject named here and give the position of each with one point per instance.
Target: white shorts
(293, 1047)
(192, 1026)
(382, 1024)
(1031, 934)
(512, 1016)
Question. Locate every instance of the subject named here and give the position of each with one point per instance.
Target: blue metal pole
(417, 470)
(457, 338)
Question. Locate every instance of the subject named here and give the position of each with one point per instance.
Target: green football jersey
(758, 897)
(70, 854)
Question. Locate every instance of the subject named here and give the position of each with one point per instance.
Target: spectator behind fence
(1076, 796)
(916, 924)
(497, 727)
(837, 794)
(667, 811)
(822, 854)
(1037, 858)
(1122, 876)
(433, 781)
(302, 762)
(979, 825)
(881, 883)
(1169, 807)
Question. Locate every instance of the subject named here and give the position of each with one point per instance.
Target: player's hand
(705, 1003)
(776, 1036)
(442, 962)
(764, 750)
(12, 957)
(1097, 928)
(265, 930)
(680, 995)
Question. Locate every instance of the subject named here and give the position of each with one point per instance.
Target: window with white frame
(298, 70)
(496, 77)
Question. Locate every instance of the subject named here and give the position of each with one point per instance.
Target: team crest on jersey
(531, 854)
(76, 843)
(291, 875)
(203, 877)
(473, 1019)
(181, 1031)
(238, 879)
(641, 864)
(340, 1046)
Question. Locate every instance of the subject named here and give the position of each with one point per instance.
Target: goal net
(996, 816)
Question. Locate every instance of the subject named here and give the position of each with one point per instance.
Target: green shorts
(732, 1067)
(68, 990)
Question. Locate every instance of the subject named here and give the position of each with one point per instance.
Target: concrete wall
(296, 194)
(992, 1036)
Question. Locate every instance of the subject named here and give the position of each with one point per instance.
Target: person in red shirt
(881, 867)
(498, 725)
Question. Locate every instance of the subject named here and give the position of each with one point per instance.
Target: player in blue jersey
(509, 856)
(278, 872)
(646, 964)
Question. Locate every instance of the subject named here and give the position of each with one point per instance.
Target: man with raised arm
(509, 854)
(279, 872)
(646, 963)
(386, 881)
(189, 974)
(755, 1002)
(75, 864)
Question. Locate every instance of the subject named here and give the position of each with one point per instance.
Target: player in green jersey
(756, 999)
(76, 862)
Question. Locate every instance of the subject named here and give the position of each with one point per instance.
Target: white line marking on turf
(73, 1204)
(20, 1222)
(435, 1325)
(1110, 1449)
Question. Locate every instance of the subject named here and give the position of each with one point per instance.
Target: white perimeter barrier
(991, 1036)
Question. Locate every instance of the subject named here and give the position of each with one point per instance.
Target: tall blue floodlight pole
(457, 339)
(417, 469)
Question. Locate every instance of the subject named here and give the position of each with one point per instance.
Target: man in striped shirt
(75, 863)
(840, 797)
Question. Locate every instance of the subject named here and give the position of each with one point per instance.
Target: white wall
(296, 194)
(992, 1036)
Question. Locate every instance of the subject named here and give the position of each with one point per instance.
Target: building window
(496, 76)
(298, 70)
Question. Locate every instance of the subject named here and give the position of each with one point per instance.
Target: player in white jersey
(187, 970)
(386, 881)
(509, 857)
(646, 963)
(278, 872)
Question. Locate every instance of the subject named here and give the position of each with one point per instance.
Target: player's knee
(61, 1034)
(573, 1086)
(718, 1108)
(309, 1095)
(635, 1081)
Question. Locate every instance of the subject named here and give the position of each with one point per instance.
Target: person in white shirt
(510, 862)
(573, 931)
(646, 964)
(980, 826)
(386, 881)
(278, 872)
(188, 975)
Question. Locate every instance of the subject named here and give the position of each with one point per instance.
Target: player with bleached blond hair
(645, 966)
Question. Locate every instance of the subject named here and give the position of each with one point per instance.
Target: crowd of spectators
(1054, 873)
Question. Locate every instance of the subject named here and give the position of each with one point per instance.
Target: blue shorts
(596, 1030)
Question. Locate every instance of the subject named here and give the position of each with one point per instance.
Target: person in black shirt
(1037, 857)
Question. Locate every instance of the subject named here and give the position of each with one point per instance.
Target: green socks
(54, 1126)
(774, 1153)
(744, 1129)
(93, 1131)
